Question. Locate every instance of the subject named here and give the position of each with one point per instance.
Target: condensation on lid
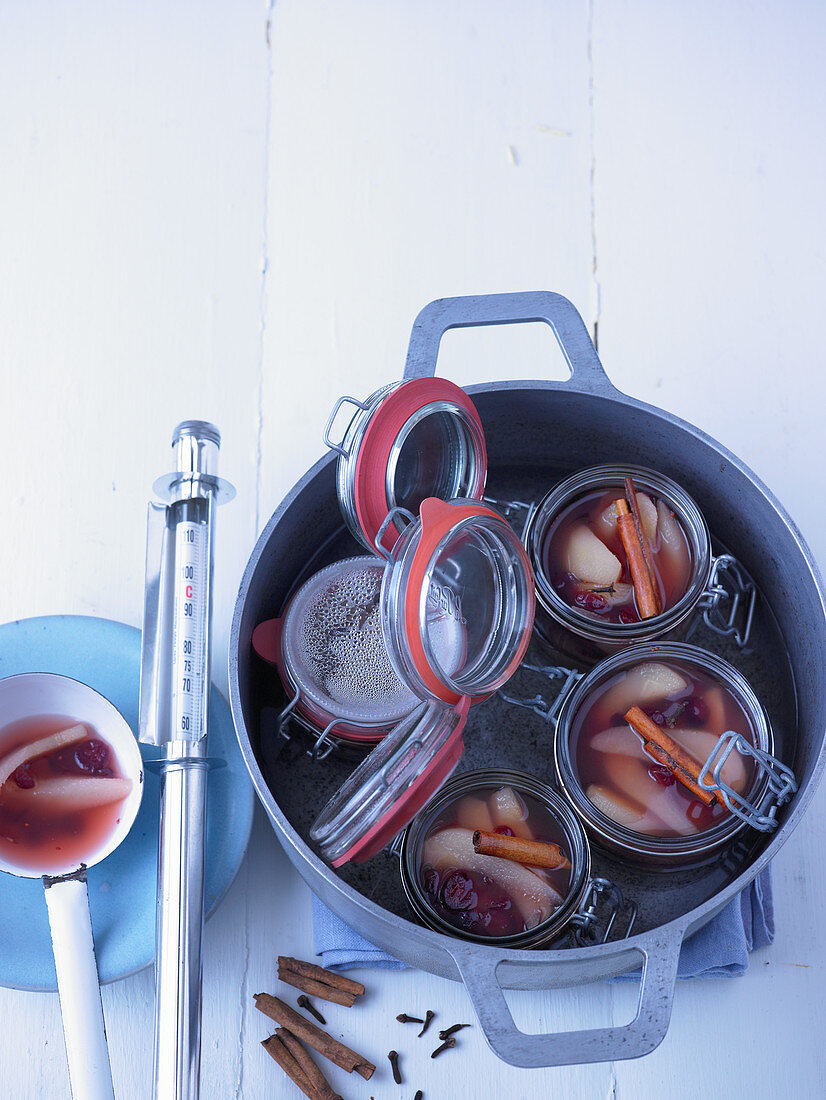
(333, 646)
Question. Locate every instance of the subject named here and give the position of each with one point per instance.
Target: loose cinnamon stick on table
(275, 1047)
(323, 1089)
(319, 982)
(317, 989)
(647, 600)
(665, 750)
(313, 1036)
(645, 543)
(328, 977)
(536, 853)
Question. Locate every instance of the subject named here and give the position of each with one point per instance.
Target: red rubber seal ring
(369, 481)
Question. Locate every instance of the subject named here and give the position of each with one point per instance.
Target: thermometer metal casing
(175, 681)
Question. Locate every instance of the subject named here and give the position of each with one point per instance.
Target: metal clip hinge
(729, 583)
(781, 781)
(339, 447)
(595, 919)
(548, 712)
(512, 509)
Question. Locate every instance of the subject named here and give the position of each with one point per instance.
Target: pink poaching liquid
(634, 790)
(484, 895)
(615, 603)
(42, 834)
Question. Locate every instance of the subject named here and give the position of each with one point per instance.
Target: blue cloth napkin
(719, 950)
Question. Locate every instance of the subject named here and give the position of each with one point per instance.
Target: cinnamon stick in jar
(535, 853)
(665, 750)
(648, 602)
(647, 552)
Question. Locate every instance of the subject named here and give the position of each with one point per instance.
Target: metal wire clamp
(781, 780)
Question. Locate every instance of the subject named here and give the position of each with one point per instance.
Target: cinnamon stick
(665, 750)
(317, 974)
(275, 1047)
(647, 600)
(313, 1036)
(645, 543)
(536, 853)
(317, 989)
(323, 1089)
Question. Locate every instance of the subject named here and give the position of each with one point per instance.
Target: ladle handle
(660, 952)
(90, 1074)
(587, 373)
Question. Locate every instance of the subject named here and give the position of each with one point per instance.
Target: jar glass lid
(423, 438)
(458, 601)
(392, 784)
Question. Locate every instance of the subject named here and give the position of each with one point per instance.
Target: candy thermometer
(175, 679)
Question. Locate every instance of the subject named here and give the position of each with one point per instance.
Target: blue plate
(106, 656)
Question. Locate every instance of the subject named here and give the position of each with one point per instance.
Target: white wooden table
(230, 211)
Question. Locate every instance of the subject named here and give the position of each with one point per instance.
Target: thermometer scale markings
(189, 635)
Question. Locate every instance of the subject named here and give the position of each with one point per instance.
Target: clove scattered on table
(428, 1017)
(403, 1018)
(304, 1002)
(393, 1058)
(448, 1044)
(448, 1031)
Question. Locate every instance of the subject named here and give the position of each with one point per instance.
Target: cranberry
(92, 756)
(430, 880)
(504, 830)
(628, 615)
(458, 891)
(23, 777)
(591, 601)
(662, 775)
(696, 710)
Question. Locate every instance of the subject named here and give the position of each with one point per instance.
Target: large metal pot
(536, 432)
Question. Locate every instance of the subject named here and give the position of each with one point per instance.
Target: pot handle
(660, 952)
(587, 372)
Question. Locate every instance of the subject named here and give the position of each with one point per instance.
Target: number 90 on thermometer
(189, 634)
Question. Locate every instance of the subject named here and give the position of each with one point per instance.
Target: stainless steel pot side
(554, 425)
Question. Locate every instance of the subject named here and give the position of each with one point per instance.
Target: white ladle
(27, 696)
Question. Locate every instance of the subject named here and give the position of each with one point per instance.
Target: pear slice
(605, 522)
(589, 559)
(508, 809)
(473, 813)
(700, 743)
(673, 547)
(24, 753)
(533, 896)
(618, 809)
(643, 684)
(618, 739)
(630, 778)
(67, 793)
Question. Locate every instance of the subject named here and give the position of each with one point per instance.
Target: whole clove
(403, 1018)
(446, 1045)
(428, 1017)
(393, 1058)
(448, 1031)
(305, 1003)
(419, 1095)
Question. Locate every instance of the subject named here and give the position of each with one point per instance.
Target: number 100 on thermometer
(189, 637)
